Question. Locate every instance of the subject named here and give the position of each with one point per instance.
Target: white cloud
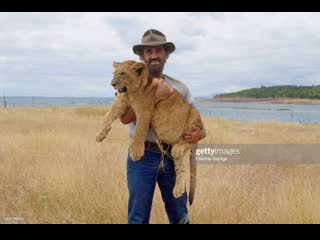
(62, 54)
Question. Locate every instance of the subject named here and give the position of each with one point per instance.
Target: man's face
(155, 58)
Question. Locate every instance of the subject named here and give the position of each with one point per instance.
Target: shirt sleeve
(180, 87)
(188, 95)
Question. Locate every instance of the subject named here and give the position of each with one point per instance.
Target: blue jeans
(142, 177)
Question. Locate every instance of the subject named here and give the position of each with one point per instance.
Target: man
(143, 175)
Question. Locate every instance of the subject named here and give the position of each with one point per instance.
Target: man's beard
(156, 70)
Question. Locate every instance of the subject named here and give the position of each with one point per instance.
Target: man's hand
(163, 90)
(194, 135)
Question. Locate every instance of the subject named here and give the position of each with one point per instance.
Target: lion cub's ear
(138, 68)
(115, 64)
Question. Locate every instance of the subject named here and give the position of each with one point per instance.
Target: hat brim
(169, 46)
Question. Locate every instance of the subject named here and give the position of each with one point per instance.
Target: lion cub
(169, 119)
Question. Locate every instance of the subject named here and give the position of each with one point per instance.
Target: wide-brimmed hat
(152, 38)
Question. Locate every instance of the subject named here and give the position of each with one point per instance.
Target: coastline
(265, 100)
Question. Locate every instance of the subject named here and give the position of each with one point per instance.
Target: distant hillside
(288, 91)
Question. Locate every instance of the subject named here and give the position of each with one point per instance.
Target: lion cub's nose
(113, 84)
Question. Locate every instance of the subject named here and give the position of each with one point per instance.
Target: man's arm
(129, 116)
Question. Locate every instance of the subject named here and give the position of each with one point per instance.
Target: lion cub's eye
(122, 74)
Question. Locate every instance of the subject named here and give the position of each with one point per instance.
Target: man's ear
(138, 68)
(115, 64)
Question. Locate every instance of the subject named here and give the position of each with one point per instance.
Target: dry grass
(52, 171)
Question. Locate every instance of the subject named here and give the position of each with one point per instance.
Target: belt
(154, 146)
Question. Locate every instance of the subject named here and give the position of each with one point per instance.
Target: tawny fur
(169, 118)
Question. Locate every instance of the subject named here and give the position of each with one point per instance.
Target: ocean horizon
(253, 112)
(40, 101)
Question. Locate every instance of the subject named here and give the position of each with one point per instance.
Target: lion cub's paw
(178, 190)
(155, 81)
(136, 152)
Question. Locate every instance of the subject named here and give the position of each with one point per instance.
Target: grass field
(53, 171)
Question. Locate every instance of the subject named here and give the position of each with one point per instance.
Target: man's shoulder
(169, 78)
(180, 87)
(173, 81)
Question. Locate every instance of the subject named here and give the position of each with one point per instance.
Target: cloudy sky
(70, 54)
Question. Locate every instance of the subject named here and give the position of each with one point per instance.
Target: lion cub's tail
(193, 175)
